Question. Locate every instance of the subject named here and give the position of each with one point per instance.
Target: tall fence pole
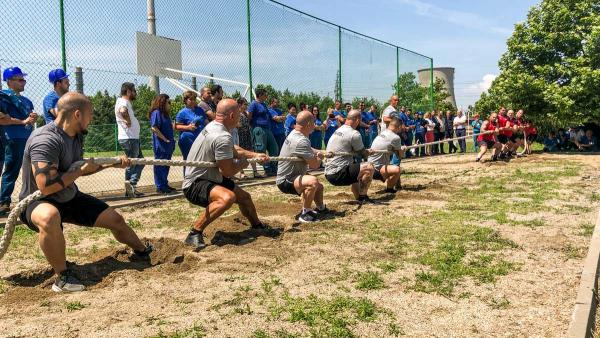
(194, 83)
(79, 80)
(340, 61)
(249, 50)
(431, 83)
(152, 80)
(63, 47)
(397, 71)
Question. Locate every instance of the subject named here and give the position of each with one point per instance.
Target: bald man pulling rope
(212, 188)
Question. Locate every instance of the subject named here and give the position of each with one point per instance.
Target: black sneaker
(366, 200)
(166, 191)
(390, 191)
(267, 229)
(322, 211)
(144, 254)
(66, 282)
(307, 217)
(494, 158)
(195, 240)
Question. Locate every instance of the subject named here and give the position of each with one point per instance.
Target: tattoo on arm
(46, 171)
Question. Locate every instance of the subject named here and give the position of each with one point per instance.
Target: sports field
(464, 249)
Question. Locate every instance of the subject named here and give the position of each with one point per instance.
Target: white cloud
(459, 18)
(486, 83)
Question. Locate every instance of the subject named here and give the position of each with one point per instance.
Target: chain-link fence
(253, 41)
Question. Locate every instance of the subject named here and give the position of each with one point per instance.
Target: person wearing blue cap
(60, 80)
(18, 125)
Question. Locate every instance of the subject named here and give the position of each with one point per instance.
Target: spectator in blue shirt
(409, 135)
(587, 142)
(290, 119)
(316, 137)
(190, 121)
(60, 81)
(277, 120)
(260, 121)
(476, 124)
(163, 142)
(331, 125)
(18, 125)
(338, 113)
(370, 120)
(420, 131)
(551, 142)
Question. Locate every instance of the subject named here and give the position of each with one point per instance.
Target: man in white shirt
(460, 128)
(387, 112)
(129, 136)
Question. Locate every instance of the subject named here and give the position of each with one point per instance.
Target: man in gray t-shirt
(292, 177)
(341, 170)
(212, 188)
(49, 154)
(389, 140)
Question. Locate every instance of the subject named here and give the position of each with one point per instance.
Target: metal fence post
(340, 61)
(153, 80)
(397, 71)
(249, 50)
(116, 133)
(79, 80)
(194, 83)
(63, 47)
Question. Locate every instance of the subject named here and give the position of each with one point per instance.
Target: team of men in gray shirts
(52, 149)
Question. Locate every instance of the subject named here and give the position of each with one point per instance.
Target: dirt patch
(372, 270)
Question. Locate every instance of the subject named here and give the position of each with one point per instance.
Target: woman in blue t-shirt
(163, 142)
(331, 125)
(189, 122)
(476, 124)
(316, 137)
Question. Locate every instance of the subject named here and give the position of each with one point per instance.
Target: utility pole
(152, 80)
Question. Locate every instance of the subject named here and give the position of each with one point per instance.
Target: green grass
(75, 306)
(369, 280)
(587, 229)
(332, 317)
(196, 331)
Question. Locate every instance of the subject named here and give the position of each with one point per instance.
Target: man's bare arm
(124, 112)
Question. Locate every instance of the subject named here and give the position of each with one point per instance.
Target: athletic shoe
(366, 200)
(66, 282)
(136, 193)
(267, 229)
(307, 217)
(145, 254)
(171, 188)
(129, 190)
(322, 211)
(477, 159)
(390, 191)
(195, 240)
(494, 158)
(166, 191)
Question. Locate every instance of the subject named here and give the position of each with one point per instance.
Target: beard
(84, 132)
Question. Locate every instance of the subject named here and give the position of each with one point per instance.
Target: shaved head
(226, 107)
(304, 118)
(354, 115)
(71, 102)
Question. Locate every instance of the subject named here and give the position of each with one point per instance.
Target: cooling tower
(444, 73)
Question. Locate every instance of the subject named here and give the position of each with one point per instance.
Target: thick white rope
(14, 214)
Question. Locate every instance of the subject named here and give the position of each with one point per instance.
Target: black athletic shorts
(503, 139)
(287, 187)
(346, 176)
(199, 192)
(377, 175)
(532, 137)
(513, 138)
(82, 210)
(489, 144)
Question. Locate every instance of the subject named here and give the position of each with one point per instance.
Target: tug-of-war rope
(13, 216)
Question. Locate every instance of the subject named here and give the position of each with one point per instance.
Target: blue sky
(466, 34)
(289, 50)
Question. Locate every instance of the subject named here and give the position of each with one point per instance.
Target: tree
(440, 96)
(552, 66)
(411, 94)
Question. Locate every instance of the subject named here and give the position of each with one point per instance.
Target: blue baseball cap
(11, 72)
(56, 75)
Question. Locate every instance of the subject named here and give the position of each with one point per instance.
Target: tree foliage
(552, 65)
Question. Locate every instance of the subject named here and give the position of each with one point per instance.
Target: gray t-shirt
(213, 144)
(50, 144)
(387, 140)
(295, 145)
(344, 140)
